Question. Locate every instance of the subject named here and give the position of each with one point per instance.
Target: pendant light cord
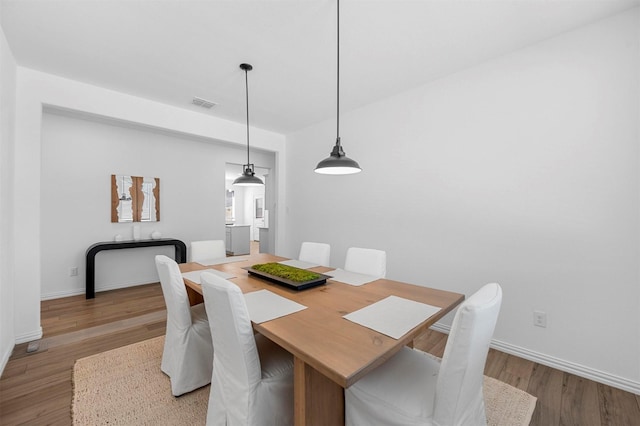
(246, 85)
(248, 177)
(338, 76)
(337, 163)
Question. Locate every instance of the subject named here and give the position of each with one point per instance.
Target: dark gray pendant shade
(338, 163)
(248, 177)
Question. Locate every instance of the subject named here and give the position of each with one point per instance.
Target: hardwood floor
(36, 388)
(563, 398)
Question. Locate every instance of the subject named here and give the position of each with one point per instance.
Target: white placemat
(299, 264)
(195, 275)
(220, 261)
(393, 316)
(351, 278)
(264, 305)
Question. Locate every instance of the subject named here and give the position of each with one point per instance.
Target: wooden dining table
(330, 352)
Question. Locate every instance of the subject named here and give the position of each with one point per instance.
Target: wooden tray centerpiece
(289, 276)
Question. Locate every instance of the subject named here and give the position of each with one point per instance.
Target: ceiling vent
(203, 102)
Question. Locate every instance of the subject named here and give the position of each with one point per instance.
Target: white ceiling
(171, 51)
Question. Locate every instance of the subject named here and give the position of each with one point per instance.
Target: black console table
(181, 255)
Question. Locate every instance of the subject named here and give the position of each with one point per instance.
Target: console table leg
(91, 277)
(90, 284)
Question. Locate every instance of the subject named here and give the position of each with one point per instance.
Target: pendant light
(338, 163)
(248, 177)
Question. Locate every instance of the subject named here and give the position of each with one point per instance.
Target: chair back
(458, 398)
(319, 253)
(236, 360)
(366, 261)
(175, 293)
(209, 249)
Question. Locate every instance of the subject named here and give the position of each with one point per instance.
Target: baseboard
(441, 328)
(5, 358)
(29, 337)
(560, 364)
(77, 292)
(61, 294)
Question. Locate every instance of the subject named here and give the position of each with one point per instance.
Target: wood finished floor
(36, 389)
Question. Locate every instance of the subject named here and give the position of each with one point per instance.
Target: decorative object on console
(136, 232)
(118, 237)
(248, 177)
(338, 163)
(155, 235)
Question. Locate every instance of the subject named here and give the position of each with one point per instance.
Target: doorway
(249, 205)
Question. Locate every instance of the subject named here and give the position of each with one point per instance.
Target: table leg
(194, 297)
(317, 399)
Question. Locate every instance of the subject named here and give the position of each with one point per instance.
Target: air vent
(203, 102)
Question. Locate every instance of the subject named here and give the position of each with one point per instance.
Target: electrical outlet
(73, 271)
(540, 319)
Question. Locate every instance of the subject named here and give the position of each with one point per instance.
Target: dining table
(330, 353)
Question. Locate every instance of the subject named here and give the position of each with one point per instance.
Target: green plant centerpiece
(287, 272)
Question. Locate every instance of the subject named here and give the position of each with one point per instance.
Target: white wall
(78, 158)
(7, 119)
(524, 171)
(35, 90)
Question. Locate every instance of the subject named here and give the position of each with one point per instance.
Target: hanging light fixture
(248, 177)
(338, 163)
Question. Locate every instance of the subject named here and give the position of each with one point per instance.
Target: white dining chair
(188, 352)
(207, 250)
(416, 388)
(366, 261)
(252, 380)
(318, 253)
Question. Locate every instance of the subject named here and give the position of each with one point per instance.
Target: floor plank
(496, 363)
(579, 402)
(546, 384)
(516, 372)
(617, 407)
(431, 341)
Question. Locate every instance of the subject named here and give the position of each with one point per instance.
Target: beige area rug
(125, 386)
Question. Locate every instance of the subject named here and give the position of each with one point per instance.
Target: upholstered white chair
(252, 381)
(207, 250)
(188, 352)
(366, 261)
(319, 253)
(415, 388)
